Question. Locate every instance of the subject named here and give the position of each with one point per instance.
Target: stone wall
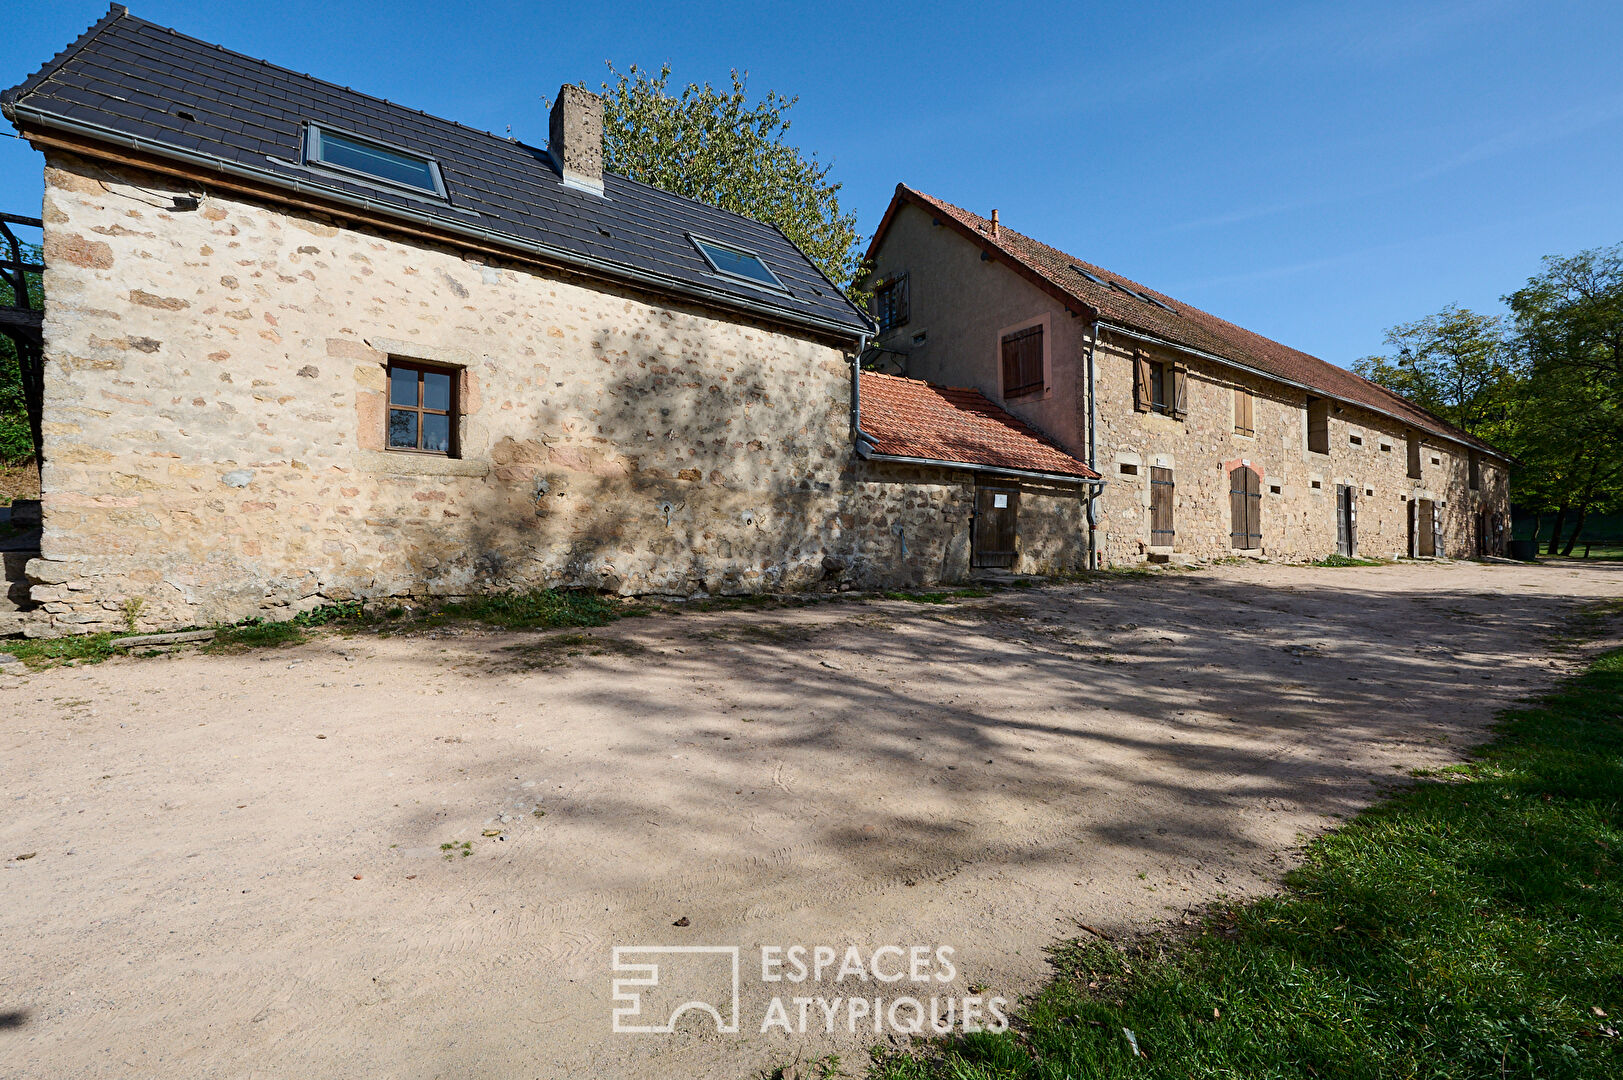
(1298, 486)
(215, 409)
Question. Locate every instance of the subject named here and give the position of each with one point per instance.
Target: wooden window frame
(1173, 398)
(451, 412)
(891, 303)
(1024, 333)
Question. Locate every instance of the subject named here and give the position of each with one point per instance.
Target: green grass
(40, 653)
(1346, 560)
(938, 597)
(1469, 927)
(537, 608)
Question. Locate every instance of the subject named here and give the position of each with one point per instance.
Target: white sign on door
(1000, 502)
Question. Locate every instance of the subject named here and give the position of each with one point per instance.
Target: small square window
(1273, 489)
(1128, 469)
(1317, 486)
(373, 160)
(422, 408)
(1356, 440)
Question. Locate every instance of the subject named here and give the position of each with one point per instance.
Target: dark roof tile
(130, 76)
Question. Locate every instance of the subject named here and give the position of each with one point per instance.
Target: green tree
(16, 444)
(714, 145)
(1569, 431)
(1456, 364)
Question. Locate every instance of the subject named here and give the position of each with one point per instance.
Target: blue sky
(1313, 171)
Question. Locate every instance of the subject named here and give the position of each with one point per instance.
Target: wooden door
(1161, 492)
(997, 511)
(1423, 528)
(1245, 509)
(1346, 520)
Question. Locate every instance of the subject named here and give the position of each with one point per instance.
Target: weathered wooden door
(1423, 527)
(1245, 508)
(1346, 520)
(997, 512)
(1161, 492)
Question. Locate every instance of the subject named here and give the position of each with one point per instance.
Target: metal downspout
(1093, 452)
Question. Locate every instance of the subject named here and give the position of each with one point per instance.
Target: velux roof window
(372, 160)
(736, 263)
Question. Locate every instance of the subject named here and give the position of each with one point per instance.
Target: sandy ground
(219, 890)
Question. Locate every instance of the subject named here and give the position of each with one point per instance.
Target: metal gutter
(964, 466)
(1315, 391)
(559, 256)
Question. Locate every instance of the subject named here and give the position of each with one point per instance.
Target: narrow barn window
(1129, 469)
(1414, 456)
(373, 160)
(1474, 467)
(1318, 425)
(1158, 387)
(1244, 412)
(1023, 362)
(1355, 440)
(890, 303)
(422, 408)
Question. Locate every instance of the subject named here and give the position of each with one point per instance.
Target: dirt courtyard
(253, 865)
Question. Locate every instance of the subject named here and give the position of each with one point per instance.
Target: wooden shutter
(1180, 392)
(1141, 383)
(1245, 509)
(1161, 493)
(1244, 412)
(1023, 362)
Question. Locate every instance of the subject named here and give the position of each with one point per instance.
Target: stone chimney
(576, 142)
(994, 224)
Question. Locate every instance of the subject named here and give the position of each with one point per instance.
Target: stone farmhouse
(1213, 440)
(302, 345)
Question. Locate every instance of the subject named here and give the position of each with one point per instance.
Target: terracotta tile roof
(1172, 320)
(910, 418)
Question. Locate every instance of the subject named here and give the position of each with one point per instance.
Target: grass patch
(539, 608)
(556, 649)
(941, 597)
(40, 653)
(1346, 560)
(1468, 927)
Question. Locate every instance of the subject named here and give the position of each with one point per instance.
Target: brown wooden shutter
(1180, 391)
(1244, 412)
(1141, 383)
(1023, 362)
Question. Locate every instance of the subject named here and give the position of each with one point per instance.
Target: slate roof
(134, 79)
(911, 418)
(1175, 322)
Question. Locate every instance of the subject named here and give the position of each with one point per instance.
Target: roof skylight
(1088, 274)
(372, 160)
(736, 263)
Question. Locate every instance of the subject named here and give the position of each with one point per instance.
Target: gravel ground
(239, 865)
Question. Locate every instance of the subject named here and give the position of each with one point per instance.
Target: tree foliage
(1455, 363)
(16, 444)
(1546, 385)
(713, 144)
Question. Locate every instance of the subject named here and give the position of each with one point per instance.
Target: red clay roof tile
(910, 418)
